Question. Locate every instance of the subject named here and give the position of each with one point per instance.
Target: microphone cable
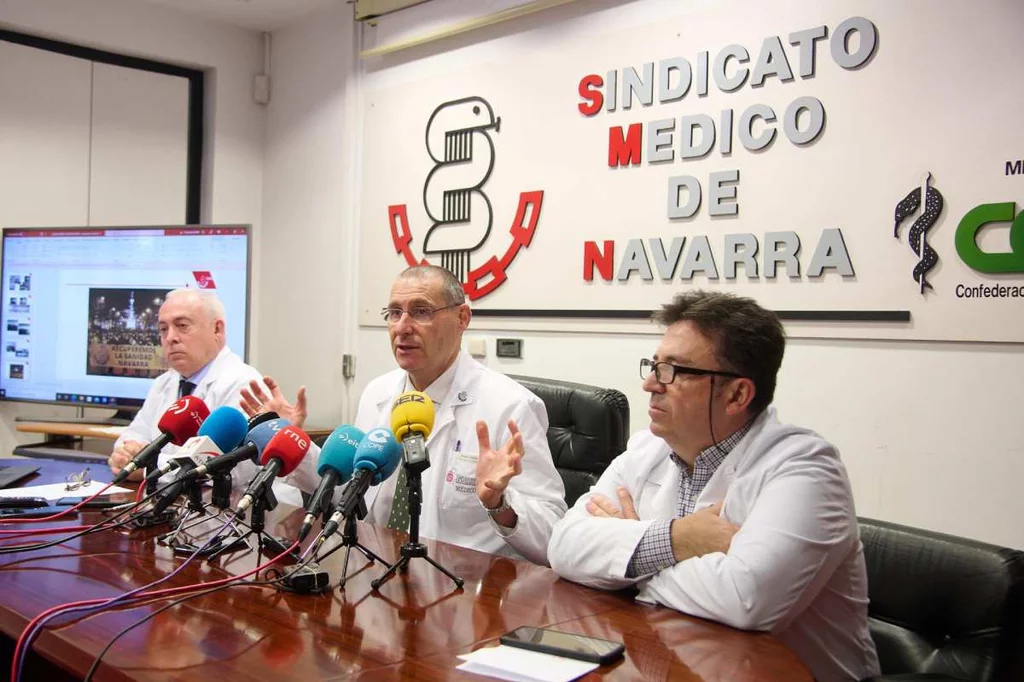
(63, 512)
(140, 593)
(106, 524)
(272, 582)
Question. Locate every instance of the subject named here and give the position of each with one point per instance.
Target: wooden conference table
(412, 629)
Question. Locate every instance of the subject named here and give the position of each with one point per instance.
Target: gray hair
(451, 287)
(211, 305)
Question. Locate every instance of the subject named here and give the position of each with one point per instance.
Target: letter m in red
(624, 149)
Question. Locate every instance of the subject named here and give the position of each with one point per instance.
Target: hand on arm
(600, 506)
(254, 400)
(703, 532)
(495, 468)
(123, 453)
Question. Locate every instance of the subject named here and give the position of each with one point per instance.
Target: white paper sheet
(521, 665)
(55, 491)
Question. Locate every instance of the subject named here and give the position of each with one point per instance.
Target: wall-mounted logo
(967, 238)
(458, 140)
(933, 203)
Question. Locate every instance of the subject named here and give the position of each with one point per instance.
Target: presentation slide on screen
(80, 320)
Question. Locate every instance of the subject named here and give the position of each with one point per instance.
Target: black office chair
(588, 427)
(943, 607)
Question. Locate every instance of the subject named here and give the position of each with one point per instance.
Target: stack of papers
(522, 665)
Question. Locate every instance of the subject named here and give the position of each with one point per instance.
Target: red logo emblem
(450, 476)
(204, 279)
(460, 144)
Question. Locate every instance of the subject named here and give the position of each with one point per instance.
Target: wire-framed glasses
(421, 314)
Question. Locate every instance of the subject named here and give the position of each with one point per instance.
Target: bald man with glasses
(719, 510)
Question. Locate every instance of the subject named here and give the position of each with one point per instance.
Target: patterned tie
(185, 387)
(399, 519)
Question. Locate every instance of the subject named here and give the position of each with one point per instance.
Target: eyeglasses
(75, 481)
(665, 372)
(421, 314)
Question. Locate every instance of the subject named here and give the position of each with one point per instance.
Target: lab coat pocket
(460, 482)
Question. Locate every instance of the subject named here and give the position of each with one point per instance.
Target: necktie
(185, 387)
(399, 519)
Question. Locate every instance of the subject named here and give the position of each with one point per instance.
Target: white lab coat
(795, 568)
(451, 510)
(221, 385)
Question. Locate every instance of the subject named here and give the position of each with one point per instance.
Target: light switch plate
(477, 347)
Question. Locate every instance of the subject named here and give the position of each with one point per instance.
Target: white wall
(308, 268)
(233, 174)
(928, 430)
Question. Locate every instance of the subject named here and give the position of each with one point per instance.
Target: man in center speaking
(491, 485)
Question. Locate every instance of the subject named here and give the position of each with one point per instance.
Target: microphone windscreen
(412, 412)
(288, 445)
(226, 426)
(261, 434)
(339, 451)
(182, 420)
(380, 453)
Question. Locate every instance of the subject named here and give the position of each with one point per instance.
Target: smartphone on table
(565, 644)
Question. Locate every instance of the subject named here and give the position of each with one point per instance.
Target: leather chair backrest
(587, 428)
(944, 605)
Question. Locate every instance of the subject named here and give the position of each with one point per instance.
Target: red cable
(156, 593)
(64, 512)
(12, 534)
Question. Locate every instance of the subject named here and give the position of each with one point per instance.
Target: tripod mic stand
(414, 467)
(350, 541)
(256, 526)
(148, 519)
(197, 513)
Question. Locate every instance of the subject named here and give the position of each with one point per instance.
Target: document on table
(56, 491)
(522, 665)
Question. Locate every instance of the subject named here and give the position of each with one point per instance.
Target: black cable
(96, 664)
(102, 525)
(262, 583)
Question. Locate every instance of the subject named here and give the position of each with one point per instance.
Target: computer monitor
(79, 317)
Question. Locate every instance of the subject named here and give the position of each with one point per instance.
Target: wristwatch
(503, 507)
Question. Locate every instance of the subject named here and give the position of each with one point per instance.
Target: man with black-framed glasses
(718, 509)
(492, 484)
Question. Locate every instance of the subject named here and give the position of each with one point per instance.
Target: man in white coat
(194, 339)
(720, 511)
(491, 485)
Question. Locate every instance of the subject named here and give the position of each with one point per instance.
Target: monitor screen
(79, 315)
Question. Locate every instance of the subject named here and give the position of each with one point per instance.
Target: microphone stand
(200, 513)
(350, 541)
(148, 519)
(263, 502)
(194, 514)
(414, 548)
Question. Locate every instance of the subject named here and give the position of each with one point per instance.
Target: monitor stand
(119, 418)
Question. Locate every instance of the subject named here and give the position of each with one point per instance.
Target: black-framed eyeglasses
(665, 372)
(421, 314)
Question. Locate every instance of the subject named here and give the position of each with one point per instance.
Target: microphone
(223, 430)
(180, 422)
(335, 465)
(376, 458)
(251, 448)
(282, 454)
(412, 418)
